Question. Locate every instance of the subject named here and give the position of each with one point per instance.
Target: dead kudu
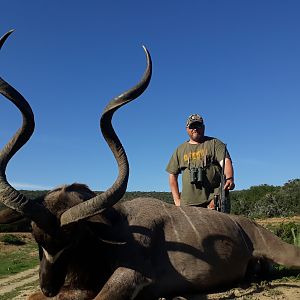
(92, 247)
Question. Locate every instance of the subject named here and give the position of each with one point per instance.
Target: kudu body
(92, 247)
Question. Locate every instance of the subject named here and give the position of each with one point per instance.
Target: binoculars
(196, 175)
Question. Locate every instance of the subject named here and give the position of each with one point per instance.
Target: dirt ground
(27, 283)
(295, 219)
(283, 288)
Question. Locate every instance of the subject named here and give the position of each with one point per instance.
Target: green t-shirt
(206, 156)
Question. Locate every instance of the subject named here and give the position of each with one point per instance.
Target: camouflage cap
(195, 118)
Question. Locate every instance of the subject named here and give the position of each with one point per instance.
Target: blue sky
(235, 62)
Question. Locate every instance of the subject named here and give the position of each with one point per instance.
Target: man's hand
(177, 202)
(229, 184)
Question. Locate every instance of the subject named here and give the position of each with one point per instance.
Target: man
(200, 162)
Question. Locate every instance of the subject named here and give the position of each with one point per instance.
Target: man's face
(196, 131)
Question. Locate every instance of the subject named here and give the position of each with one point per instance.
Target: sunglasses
(196, 126)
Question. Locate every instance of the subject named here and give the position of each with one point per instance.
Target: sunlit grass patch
(17, 258)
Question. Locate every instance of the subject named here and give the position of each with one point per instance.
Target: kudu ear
(102, 230)
(8, 216)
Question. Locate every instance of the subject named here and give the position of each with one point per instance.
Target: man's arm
(173, 182)
(229, 175)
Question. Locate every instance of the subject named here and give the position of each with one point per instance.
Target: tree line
(262, 201)
(265, 201)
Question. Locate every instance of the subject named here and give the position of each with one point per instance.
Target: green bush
(267, 201)
(11, 240)
(288, 232)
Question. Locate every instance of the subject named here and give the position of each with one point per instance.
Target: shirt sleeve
(173, 166)
(219, 150)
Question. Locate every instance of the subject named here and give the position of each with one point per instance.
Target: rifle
(222, 202)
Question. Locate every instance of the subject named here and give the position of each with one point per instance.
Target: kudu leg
(123, 284)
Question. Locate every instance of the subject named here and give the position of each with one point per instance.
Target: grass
(288, 232)
(10, 295)
(296, 237)
(19, 259)
(17, 291)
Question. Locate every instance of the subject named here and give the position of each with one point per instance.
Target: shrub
(289, 232)
(11, 240)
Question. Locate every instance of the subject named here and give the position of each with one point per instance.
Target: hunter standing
(200, 162)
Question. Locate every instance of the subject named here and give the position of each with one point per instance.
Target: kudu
(92, 247)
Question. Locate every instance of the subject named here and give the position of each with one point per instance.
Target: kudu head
(61, 212)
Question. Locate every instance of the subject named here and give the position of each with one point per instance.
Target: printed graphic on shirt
(198, 155)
